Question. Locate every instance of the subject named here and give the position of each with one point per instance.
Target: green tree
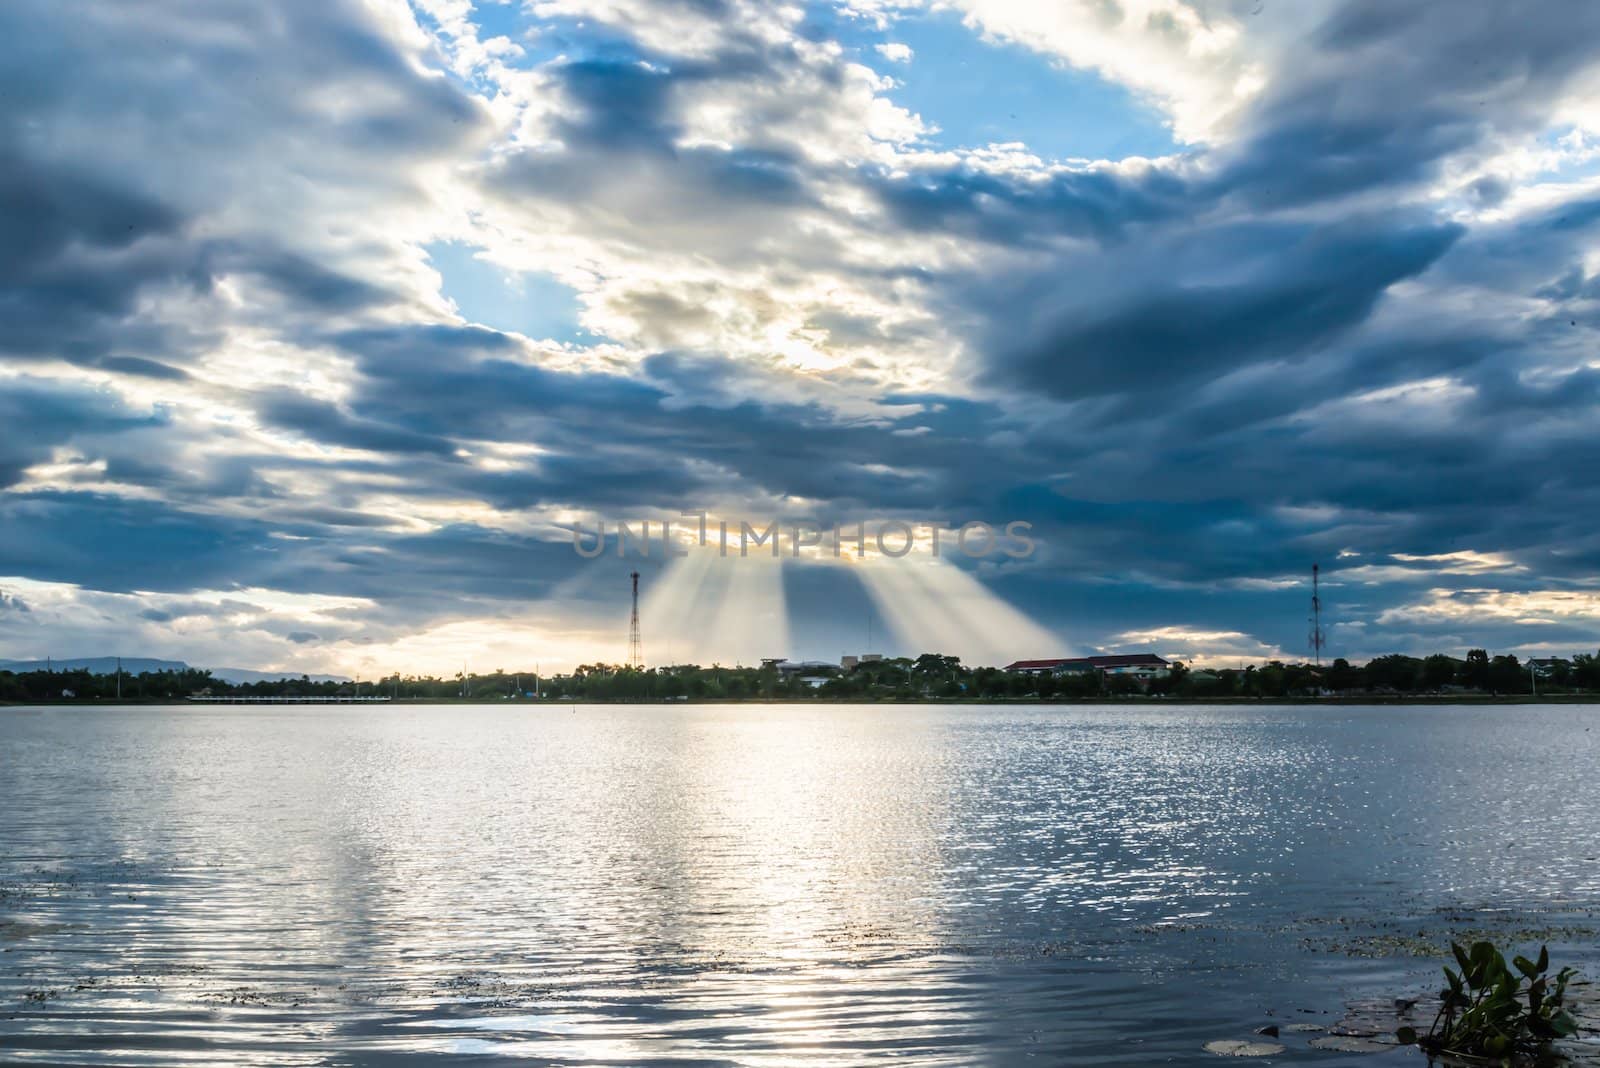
(1438, 671)
(1507, 675)
(1475, 672)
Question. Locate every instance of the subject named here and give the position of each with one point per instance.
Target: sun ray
(934, 606)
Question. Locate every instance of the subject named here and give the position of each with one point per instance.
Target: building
(850, 663)
(1548, 666)
(1134, 665)
(795, 667)
(1044, 667)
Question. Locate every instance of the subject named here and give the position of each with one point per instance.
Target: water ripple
(756, 885)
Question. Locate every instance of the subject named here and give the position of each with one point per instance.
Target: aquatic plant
(1490, 1010)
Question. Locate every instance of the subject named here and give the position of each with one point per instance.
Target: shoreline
(1363, 700)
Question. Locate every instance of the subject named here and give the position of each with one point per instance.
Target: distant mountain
(133, 665)
(95, 665)
(242, 675)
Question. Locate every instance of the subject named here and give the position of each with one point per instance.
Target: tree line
(930, 676)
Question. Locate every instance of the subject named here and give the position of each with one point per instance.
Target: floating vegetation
(1495, 1011)
(255, 998)
(16, 930)
(1490, 1013)
(1425, 943)
(1236, 1048)
(1350, 1044)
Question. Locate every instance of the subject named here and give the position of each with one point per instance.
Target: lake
(765, 884)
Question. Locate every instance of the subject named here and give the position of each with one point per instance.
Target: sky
(323, 323)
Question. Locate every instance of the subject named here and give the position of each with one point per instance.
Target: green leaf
(1544, 958)
(1564, 1025)
(1487, 961)
(1527, 967)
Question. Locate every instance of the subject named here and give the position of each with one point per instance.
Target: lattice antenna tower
(1318, 638)
(635, 648)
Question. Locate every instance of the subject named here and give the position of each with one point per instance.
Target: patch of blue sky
(528, 303)
(495, 19)
(981, 92)
(1578, 153)
(548, 39)
(977, 91)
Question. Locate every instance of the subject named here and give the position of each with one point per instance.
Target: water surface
(762, 885)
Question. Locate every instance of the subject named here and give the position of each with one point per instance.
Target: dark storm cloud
(77, 254)
(627, 173)
(1372, 104)
(1541, 254)
(49, 210)
(139, 367)
(154, 116)
(1200, 306)
(621, 104)
(1100, 204)
(631, 105)
(37, 416)
(681, 187)
(326, 423)
(123, 545)
(686, 433)
(1218, 356)
(171, 467)
(1381, 94)
(465, 382)
(400, 349)
(612, 441)
(626, 446)
(75, 251)
(304, 282)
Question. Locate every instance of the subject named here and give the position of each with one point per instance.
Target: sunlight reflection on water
(756, 885)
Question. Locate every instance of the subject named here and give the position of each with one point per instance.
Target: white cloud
(1196, 646)
(1198, 62)
(1532, 607)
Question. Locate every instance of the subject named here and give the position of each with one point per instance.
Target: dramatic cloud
(322, 323)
